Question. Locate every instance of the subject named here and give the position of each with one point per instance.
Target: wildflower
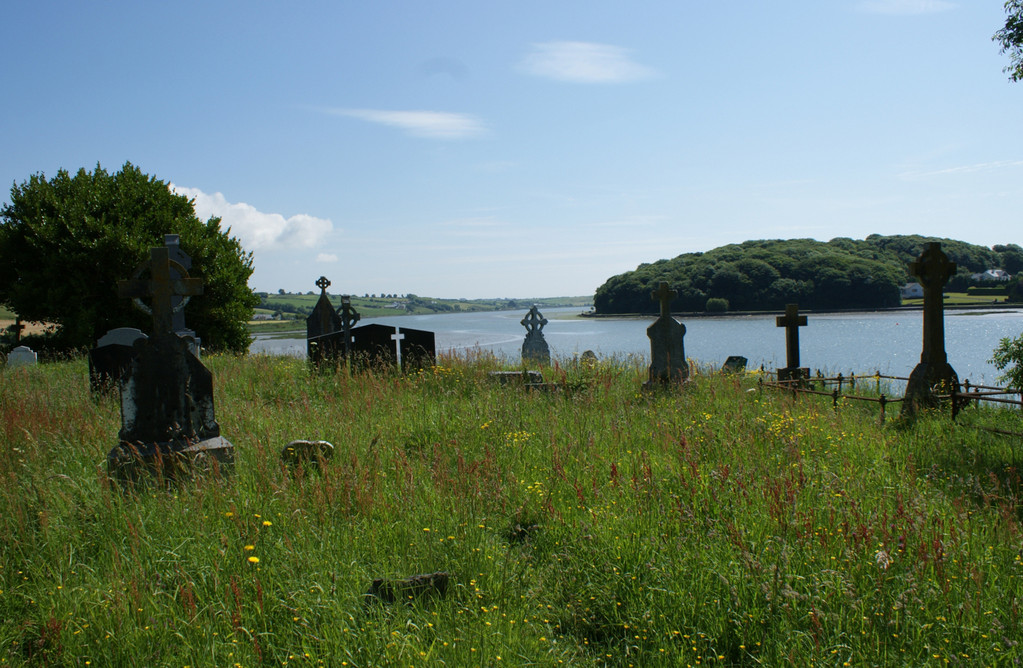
(267, 523)
(250, 548)
(253, 560)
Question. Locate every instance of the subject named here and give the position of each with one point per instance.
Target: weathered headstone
(111, 359)
(667, 350)
(734, 364)
(168, 425)
(535, 348)
(792, 321)
(588, 359)
(21, 356)
(933, 374)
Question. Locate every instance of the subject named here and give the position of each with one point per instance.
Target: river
(889, 342)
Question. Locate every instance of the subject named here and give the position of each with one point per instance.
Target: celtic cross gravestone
(667, 350)
(933, 375)
(535, 348)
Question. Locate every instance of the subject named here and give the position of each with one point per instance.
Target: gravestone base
(926, 382)
(529, 379)
(799, 375)
(161, 464)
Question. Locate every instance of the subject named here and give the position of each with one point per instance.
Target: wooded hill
(767, 274)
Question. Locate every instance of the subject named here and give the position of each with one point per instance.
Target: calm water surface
(861, 342)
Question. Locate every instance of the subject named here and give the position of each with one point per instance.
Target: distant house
(912, 291)
(991, 275)
(263, 316)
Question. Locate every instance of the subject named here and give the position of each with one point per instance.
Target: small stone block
(416, 587)
(517, 377)
(734, 364)
(307, 453)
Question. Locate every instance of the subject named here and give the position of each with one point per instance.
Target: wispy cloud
(583, 62)
(255, 229)
(905, 7)
(962, 169)
(326, 257)
(427, 124)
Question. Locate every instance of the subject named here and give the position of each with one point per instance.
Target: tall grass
(595, 524)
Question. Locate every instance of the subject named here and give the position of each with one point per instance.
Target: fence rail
(960, 397)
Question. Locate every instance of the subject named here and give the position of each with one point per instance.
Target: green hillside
(767, 274)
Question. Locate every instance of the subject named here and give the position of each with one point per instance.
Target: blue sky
(525, 149)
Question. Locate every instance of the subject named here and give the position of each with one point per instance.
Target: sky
(530, 148)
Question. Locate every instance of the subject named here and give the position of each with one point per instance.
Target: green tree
(1010, 38)
(1008, 357)
(65, 242)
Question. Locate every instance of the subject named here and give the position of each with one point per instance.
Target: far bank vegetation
(767, 274)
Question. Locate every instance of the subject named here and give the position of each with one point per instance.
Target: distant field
(960, 298)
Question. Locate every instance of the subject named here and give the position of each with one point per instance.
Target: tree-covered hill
(767, 274)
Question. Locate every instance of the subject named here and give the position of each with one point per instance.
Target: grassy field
(960, 299)
(596, 524)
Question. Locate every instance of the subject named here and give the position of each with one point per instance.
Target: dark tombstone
(375, 345)
(168, 425)
(111, 359)
(792, 321)
(667, 350)
(18, 327)
(734, 364)
(933, 374)
(527, 378)
(418, 349)
(535, 348)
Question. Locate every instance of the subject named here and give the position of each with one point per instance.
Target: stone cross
(17, 327)
(791, 321)
(933, 269)
(161, 287)
(534, 321)
(349, 316)
(322, 283)
(665, 295)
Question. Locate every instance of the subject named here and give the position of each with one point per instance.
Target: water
(862, 342)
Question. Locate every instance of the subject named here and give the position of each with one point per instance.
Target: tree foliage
(767, 274)
(1010, 38)
(1008, 357)
(66, 241)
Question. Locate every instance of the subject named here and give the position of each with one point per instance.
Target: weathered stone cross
(665, 295)
(349, 316)
(791, 321)
(161, 287)
(933, 269)
(322, 283)
(533, 322)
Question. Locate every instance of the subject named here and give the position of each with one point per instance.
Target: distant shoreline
(727, 314)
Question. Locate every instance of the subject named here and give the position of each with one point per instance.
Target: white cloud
(326, 257)
(427, 124)
(583, 62)
(257, 230)
(905, 7)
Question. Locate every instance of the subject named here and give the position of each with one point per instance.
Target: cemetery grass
(594, 524)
